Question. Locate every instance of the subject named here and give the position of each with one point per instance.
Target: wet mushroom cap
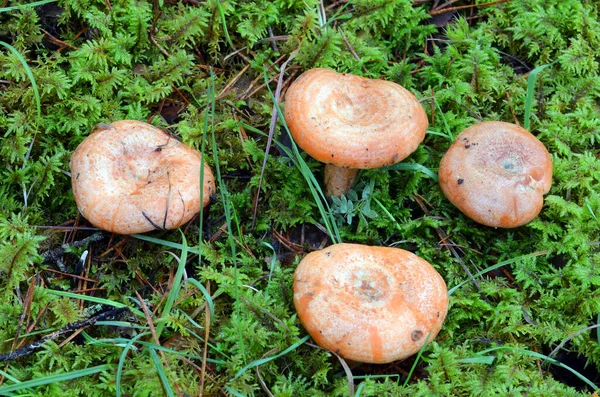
(497, 173)
(353, 121)
(130, 177)
(369, 304)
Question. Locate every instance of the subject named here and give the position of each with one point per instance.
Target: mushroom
(369, 304)
(351, 122)
(497, 173)
(130, 177)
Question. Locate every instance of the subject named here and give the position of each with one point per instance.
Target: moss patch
(201, 70)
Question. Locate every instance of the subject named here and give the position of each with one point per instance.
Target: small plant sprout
(350, 122)
(349, 205)
(130, 177)
(497, 173)
(369, 304)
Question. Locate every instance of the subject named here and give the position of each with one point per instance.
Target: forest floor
(208, 309)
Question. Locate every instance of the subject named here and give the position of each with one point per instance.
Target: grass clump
(209, 310)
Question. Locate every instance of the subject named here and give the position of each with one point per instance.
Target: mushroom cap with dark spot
(369, 304)
(352, 121)
(130, 177)
(497, 173)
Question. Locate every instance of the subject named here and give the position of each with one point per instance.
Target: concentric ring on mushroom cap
(497, 173)
(353, 121)
(369, 304)
(130, 177)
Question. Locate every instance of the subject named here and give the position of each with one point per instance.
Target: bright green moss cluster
(202, 69)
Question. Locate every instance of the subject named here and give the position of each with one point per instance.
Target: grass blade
(228, 209)
(309, 177)
(120, 324)
(412, 369)
(9, 377)
(93, 299)
(166, 243)
(233, 392)
(388, 213)
(494, 267)
(530, 89)
(271, 265)
(174, 293)
(21, 6)
(266, 360)
(413, 167)
(315, 188)
(161, 373)
(126, 349)
(34, 86)
(545, 358)
(489, 360)
(224, 23)
(209, 301)
(55, 378)
(448, 134)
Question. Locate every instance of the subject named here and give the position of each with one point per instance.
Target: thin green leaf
(432, 132)
(589, 207)
(272, 264)
(235, 393)
(126, 343)
(494, 267)
(161, 373)
(377, 376)
(448, 134)
(21, 6)
(266, 360)
(174, 292)
(545, 358)
(33, 333)
(224, 23)
(166, 243)
(65, 377)
(9, 377)
(209, 301)
(413, 167)
(412, 369)
(34, 86)
(359, 390)
(530, 89)
(124, 353)
(315, 188)
(478, 360)
(598, 330)
(120, 324)
(228, 208)
(93, 299)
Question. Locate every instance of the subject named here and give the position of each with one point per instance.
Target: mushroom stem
(338, 180)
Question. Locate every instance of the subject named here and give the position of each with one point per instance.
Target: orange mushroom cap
(369, 304)
(353, 121)
(130, 177)
(496, 173)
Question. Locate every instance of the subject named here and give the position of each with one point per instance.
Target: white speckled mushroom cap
(130, 177)
(369, 304)
(352, 121)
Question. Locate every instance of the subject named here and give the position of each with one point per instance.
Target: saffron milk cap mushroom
(351, 122)
(369, 304)
(130, 177)
(497, 173)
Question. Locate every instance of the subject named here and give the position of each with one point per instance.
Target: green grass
(22, 6)
(210, 307)
(30, 384)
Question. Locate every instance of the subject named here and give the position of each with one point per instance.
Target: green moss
(158, 61)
